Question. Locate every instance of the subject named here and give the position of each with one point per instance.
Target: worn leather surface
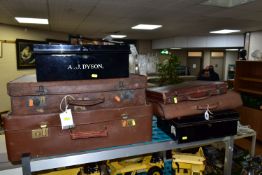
(186, 91)
(230, 100)
(31, 97)
(94, 129)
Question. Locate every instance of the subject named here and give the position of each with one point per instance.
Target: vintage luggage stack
(105, 113)
(195, 110)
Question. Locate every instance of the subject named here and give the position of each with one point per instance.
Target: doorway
(217, 60)
(194, 62)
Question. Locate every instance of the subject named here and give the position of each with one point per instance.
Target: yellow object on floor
(188, 164)
(90, 169)
(152, 165)
(65, 171)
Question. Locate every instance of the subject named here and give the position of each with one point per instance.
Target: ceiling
(98, 18)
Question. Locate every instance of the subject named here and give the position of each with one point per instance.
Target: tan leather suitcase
(31, 97)
(41, 135)
(230, 100)
(186, 91)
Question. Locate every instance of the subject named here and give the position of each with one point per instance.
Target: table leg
(26, 164)
(229, 147)
(253, 146)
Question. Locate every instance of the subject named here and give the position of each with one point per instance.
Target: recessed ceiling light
(31, 20)
(226, 3)
(146, 27)
(175, 48)
(224, 31)
(118, 36)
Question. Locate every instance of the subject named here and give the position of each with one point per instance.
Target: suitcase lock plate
(127, 122)
(41, 132)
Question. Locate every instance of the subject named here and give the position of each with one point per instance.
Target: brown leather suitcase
(31, 97)
(41, 135)
(230, 100)
(186, 91)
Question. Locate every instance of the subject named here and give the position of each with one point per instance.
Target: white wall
(8, 69)
(255, 43)
(211, 41)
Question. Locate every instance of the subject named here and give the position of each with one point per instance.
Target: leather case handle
(207, 95)
(204, 107)
(88, 134)
(91, 102)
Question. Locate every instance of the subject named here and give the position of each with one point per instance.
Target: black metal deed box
(75, 62)
(194, 128)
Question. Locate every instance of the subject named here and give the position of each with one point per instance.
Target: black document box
(194, 128)
(74, 62)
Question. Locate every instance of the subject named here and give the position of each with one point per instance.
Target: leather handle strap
(209, 106)
(88, 134)
(206, 95)
(91, 102)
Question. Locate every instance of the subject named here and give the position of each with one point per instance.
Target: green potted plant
(168, 70)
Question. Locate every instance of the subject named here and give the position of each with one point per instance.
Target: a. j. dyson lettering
(86, 66)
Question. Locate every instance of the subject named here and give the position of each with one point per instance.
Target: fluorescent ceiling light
(118, 36)
(231, 49)
(32, 20)
(175, 48)
(226, 3)
(146, 27)
(224, 31)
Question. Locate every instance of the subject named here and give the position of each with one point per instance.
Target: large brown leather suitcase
(31, 97)
(41, 135)
(186, 91)
(230, 100)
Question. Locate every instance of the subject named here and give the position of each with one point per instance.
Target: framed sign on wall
(24, 51)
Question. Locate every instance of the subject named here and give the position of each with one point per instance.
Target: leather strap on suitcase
(230, 100)
(42, 135)
(186, 91)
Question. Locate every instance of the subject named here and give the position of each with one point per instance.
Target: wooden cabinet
(248, 77)
(248, 80)
(252, 117)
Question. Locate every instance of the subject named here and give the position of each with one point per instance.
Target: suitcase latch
(41, 90)
(128, 123)
(121, 85)
(41, 132)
